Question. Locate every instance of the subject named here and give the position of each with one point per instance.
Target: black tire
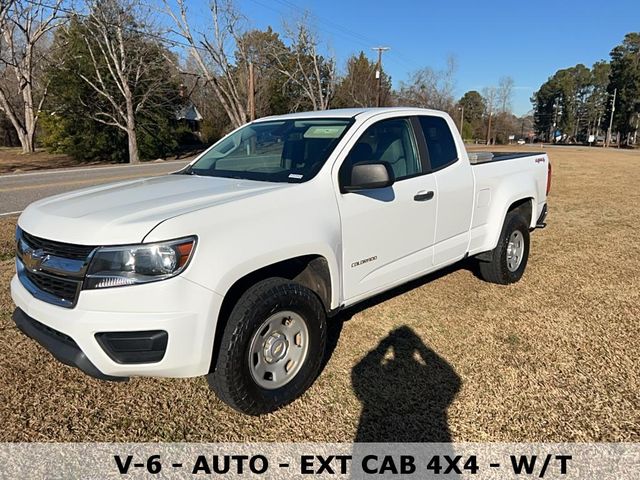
(496, 270)
(232, 379)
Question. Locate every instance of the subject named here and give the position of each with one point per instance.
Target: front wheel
(272, 347)
(509, 258)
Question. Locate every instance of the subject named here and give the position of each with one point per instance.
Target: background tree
(255, 48)
(212, 52)
(571, 101)
(429, 88)
(67, 120)
(625, 79)
(474, 108)
(23, 52)
(503, 121)
(359, 87)
(597, 101)
(310, 76)
(490, 95)
(573, 84)
(113, 93)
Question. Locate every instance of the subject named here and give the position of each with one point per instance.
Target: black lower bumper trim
(61, 346)
(134, 347)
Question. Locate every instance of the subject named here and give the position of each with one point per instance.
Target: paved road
(19, 190)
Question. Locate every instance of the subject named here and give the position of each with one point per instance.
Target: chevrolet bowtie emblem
(33, 259)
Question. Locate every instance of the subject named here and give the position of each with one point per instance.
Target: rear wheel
(272, 347)
(509, 259)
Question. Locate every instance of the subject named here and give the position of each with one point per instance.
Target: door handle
(423, 196)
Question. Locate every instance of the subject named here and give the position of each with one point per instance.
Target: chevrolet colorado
(230, 267)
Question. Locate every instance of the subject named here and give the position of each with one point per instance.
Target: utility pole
(251, 93)
(461, 119)
(613, 109)
(379, 73)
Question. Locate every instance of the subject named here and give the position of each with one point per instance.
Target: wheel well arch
(311, 271)
(523, 206)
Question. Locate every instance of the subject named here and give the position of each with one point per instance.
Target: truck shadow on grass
(405, 387)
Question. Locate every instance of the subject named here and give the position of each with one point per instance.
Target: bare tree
(504, 94)
(213, 52)
(304, 67)
(24, 26)
(122, 63)
(430, 88)
(4, 9)
(490, 96)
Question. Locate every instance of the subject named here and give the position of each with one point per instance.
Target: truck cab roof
(361, 113)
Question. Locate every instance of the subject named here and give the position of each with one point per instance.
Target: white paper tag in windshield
(295, 176)
(324, 131)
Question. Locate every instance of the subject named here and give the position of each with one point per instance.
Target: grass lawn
(12, 160)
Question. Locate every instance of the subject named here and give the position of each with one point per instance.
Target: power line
(361, 39)
(337, 30)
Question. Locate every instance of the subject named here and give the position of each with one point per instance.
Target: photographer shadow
(405, 389)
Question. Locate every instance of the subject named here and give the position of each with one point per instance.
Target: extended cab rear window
(440, 144)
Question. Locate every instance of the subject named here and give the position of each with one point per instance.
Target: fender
(523, 187)
(268, 259)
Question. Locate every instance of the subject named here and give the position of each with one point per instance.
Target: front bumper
(61, 346)
(186, 311)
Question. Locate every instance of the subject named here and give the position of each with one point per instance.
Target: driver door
(387, 233)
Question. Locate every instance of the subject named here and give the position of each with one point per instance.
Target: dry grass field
(555, 357)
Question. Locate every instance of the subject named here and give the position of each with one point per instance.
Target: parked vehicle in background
(231, 267)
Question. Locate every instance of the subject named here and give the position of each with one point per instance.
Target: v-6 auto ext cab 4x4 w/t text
(230, 267)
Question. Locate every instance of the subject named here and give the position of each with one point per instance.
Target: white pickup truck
(230, 267)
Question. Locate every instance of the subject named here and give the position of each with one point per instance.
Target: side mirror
(369, 175)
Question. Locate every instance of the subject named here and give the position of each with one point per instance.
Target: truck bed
(501, 183)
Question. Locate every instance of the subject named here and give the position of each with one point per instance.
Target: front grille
(61, 288)
(52, 271)
(59, 249)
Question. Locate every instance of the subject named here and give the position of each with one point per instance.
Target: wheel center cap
(275, 347)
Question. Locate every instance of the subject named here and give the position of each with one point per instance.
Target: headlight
(134, 264)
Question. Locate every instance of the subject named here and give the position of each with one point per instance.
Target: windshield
(273, 151)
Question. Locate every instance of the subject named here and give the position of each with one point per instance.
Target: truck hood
(126, 212)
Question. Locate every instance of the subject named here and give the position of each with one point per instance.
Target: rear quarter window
(440, 143)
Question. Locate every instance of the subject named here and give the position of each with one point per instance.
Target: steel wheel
(515, 251)
(278, 349)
